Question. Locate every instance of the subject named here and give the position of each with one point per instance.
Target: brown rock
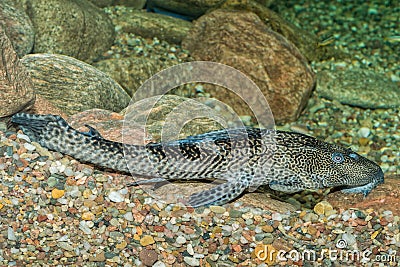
(306, 42)
(43, 106)
(108, 123)
(18, 27)
(41, 218)
(16, 93)
(382, 198)
(148, 257)
(241, 40)
(72, 85)
(74, 28)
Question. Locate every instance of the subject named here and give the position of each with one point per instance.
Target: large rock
(151, 25)
(171, 117)
(151, 119)
(241, 40)
(308, 43)
(358, 87)
(130, 72)
(73, 85)
(18, 27)
(75, 28)
(16, 93)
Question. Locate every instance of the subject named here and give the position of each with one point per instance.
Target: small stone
(52, 181)
(128, 216)
(29, 147)
(88, 216)
(247, 215)
(83, 225)
(146, 240)
(323, 207)
(98, 257)
(148, 257)
(190, 250)
(87, 193)
(360, 214)
(65, 246)
(191, 261)
(217, 209)
(349, 238)
(11, 234)
(41, 218)
(267, 228)
(121, 245)
(276, 216)
(181, 240)
(159, 264)
(68, 171)
(114, 222)
(57, 193)
(346, 215)
(364, 132)
(235, 213)
(268, 239)
(116, 196)
(23, 137)
(363, 141)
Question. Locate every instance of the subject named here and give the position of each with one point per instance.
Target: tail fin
(34, 125)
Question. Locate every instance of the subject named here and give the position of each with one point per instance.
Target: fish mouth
(365, 189)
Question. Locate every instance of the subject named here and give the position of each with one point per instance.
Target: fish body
(244, 158)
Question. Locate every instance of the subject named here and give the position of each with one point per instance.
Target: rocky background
(328, 70)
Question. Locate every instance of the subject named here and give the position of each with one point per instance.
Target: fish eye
(354, 156)
(337, 157)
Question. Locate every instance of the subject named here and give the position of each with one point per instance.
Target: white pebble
(24, 137)
(68, 171)
(29, 147)
(364, 132)
(276, 216)
(14, 250)
(115, 196)
(181, 240)
(53, 170)
(349, 238)
(85, 228)
(191, 261)
(10, 234)
(159, 264)
(189, 249)
(128, 216)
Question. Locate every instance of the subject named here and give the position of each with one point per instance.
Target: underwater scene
(199, 133)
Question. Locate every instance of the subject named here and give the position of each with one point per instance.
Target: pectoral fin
(288, 185)
(219, 194)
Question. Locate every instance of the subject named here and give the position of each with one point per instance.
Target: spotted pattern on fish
(244, 158)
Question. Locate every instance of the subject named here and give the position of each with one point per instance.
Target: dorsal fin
(92, 132)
